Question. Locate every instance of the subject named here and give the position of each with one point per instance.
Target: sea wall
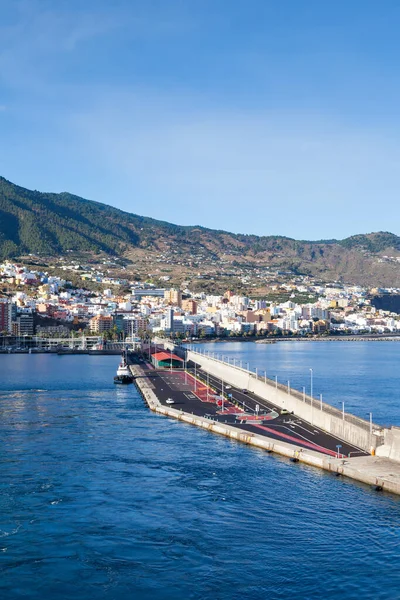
(360, 469)
(391, 447)
(351, 429)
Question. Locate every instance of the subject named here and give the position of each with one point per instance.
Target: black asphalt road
(176, 386)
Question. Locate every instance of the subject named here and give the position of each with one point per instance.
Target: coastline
(331, 338)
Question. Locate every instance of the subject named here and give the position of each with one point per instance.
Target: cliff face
(51, 224)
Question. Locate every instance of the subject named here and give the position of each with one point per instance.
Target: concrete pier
(378, 472)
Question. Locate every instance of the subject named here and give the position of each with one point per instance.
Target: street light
(311, 390)
(370, 428)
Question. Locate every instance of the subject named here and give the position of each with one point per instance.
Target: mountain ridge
(53, 223)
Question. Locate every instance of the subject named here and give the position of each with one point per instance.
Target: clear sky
(254, 116)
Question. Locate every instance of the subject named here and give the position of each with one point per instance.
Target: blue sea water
(102, 499)
(363, 375)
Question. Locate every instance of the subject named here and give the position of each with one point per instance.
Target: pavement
(202, 396)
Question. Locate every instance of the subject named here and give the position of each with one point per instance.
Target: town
(85, 301)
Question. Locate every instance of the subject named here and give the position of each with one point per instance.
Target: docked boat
(123, 368)
(124, 374)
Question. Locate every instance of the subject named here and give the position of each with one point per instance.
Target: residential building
(173, 296)
(5, 315)
(190, 306)
(24, 324)
(101, 323)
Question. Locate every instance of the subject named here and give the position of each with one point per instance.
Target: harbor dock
(217, 399)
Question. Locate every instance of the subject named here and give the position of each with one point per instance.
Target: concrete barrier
(350, 429)
(391, 447)
(378, 472)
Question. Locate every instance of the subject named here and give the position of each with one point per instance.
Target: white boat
(123, 369)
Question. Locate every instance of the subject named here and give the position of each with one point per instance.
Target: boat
(123, 379)
(124, 374)
(123, 369)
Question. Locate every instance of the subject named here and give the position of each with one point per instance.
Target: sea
(102, 499)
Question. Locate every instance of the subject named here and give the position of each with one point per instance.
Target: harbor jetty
(229, 400)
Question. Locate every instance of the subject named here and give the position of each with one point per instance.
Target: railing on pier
(315, 403)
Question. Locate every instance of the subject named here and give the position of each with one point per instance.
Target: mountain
(51, 224)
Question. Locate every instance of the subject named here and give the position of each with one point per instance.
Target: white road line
(299, 426)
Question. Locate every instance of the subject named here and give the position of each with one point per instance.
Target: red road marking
(230, 408)
(302, 442)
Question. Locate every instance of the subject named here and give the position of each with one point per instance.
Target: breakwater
(343, 425)
(379, 472)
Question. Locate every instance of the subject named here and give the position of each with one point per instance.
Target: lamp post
(370, 428)
(311, 386)
(343, 410)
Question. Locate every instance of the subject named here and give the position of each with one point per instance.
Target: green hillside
(36, 222)
(52, 224)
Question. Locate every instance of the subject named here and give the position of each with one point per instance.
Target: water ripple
(101, 499)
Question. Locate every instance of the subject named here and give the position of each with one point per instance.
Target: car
(284, 411)
(170, 401)
(228, 387)
(245, 391)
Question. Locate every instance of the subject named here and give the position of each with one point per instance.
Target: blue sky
(257, 116)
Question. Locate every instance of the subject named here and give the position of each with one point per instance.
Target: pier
(229, 400)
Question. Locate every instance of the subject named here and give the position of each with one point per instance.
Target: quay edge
(378, 472)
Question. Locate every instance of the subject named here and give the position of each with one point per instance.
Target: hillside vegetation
(52, 224)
